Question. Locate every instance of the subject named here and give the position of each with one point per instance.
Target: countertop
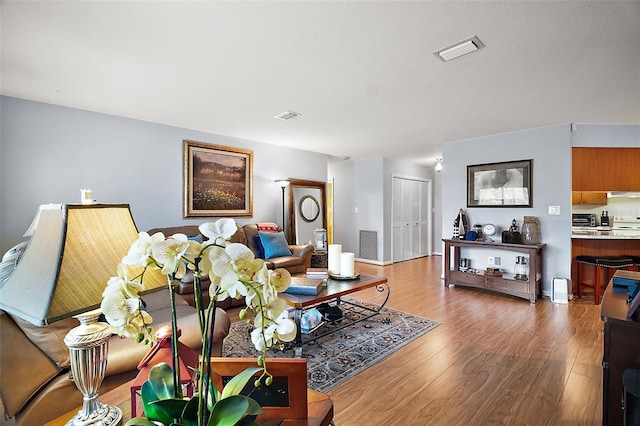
(602, 235)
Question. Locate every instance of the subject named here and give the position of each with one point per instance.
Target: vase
(530, 230)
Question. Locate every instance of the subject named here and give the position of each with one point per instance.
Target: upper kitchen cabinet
(597, 198)
(605, 169)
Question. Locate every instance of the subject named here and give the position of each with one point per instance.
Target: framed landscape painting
(506, 184)
(218, 180)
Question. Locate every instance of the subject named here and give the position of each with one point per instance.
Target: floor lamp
(283, 184)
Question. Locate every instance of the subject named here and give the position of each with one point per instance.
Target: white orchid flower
(219, 231)
(140, 250)
(286, 329)
(169, 252)
(280, 279)
(121, 283)
(118, 309)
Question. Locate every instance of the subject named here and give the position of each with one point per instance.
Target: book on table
(626, 278)
(305, 286)
(317, 273)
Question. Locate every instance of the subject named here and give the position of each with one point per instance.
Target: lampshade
(73, 252)
(283, 183)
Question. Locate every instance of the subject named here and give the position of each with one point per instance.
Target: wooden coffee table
(334, 291)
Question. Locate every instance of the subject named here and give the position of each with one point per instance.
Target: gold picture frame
(288, 397)
(217, 181)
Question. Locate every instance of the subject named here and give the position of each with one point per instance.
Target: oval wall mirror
(309, 208)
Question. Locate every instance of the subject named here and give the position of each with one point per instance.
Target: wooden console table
(529, 289)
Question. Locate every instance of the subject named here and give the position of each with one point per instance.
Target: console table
(529, 289)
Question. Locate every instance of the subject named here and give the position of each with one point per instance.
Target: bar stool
(636, 262)
(601, 266)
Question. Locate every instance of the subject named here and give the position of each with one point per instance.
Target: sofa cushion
(30, 368)
(50, 338)
(274, 244)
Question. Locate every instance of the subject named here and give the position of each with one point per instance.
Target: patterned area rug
(335, 358)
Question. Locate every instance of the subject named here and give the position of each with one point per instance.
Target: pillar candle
(335, 250)
(347, 264)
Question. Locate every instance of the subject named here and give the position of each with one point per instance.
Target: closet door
(411, 226)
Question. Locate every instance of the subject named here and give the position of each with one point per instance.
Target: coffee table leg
(297, 317)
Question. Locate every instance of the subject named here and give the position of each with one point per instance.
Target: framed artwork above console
(506, 184)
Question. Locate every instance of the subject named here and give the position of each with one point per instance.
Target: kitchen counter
(602, 235)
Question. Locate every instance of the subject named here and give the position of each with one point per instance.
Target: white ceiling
(362, 74)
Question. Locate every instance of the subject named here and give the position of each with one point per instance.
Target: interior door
(411, 225)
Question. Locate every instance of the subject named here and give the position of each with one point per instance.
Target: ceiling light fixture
(458, 49)
(439, 165)
(287, 115)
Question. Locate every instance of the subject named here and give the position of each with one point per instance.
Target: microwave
(583, 219)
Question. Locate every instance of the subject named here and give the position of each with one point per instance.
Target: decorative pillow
(197, 238)
(257, 242)
(274, 244)
(10, 260)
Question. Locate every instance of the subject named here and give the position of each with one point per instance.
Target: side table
(320, 259)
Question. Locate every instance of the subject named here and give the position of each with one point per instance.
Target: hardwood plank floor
(495, 359)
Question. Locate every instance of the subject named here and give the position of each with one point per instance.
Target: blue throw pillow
(197, 238)
(257, 243)
(274, 244)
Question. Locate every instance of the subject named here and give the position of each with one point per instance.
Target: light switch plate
(554, 210)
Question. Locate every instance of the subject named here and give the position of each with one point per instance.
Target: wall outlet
(491, 260)
(498, 260)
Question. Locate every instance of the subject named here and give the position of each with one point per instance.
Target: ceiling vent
(287, 115)
(461, 48)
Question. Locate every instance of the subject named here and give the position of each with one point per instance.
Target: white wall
(48, 153)
(550, 149)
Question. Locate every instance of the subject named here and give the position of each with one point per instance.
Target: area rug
(337, 357)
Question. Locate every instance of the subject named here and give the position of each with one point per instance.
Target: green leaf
(161, 377)
(190, 412)
(254, 408)
(140, 421)
(171, 407)
(147, 392)
(237, 383)
(229, 411)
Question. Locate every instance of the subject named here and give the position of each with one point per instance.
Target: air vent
(287, 115)
(460, 48)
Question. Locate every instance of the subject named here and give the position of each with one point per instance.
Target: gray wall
(550, 149)
(366, 185)
(48, 153)
(598, 135)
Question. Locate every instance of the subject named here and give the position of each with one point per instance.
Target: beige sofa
(35, 381)
(297, 263)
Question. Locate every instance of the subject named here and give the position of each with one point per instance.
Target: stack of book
(305, 286)
(320, 273)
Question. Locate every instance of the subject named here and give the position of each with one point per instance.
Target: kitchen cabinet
(621, 337)
(605, 169)
(588, 197)
(529, 289)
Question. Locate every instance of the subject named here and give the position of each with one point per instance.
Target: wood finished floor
(495, 359)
